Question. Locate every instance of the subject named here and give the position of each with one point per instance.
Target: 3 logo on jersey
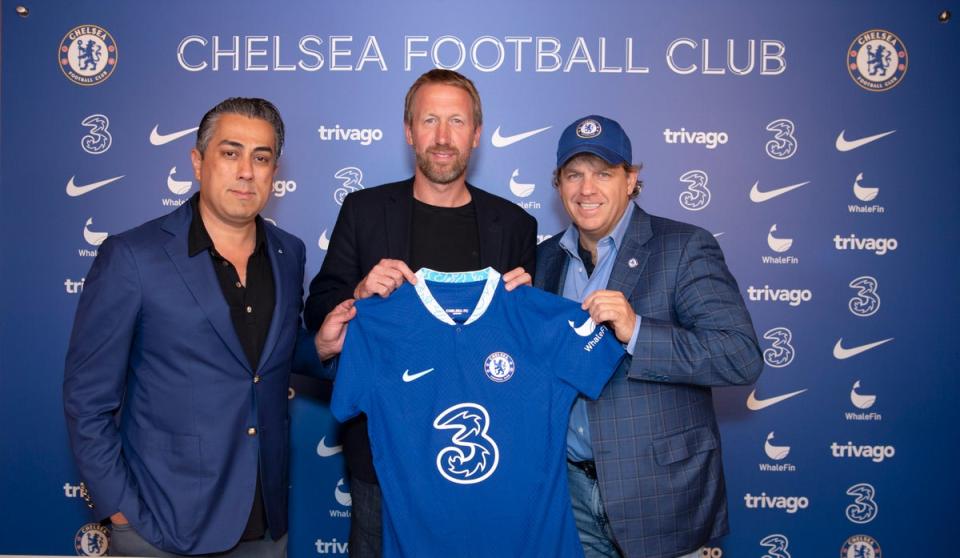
(473, 455)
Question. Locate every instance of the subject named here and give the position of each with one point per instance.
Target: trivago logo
(710, 140)
(878, 246)
(789, 504)
(793, 297)
(332, 547)
(874, 453)
(363, 136)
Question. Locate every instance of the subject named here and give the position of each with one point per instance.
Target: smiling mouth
(589, 206)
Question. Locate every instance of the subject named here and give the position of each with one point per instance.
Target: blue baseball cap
(595, 134)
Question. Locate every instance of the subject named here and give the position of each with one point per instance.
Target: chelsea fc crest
(877, 60)
(860, 546)
(499, 367)
(91, 540)
(87, 55)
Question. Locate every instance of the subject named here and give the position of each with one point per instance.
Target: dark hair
(246, 106)
(595, 159)
(444, 77)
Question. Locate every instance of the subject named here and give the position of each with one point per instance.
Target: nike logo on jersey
(755, 404)
(840, 353)
(849, 145)
(756, 196)
(408, 377)
(156, 138)
(74, 190)
(502, 141)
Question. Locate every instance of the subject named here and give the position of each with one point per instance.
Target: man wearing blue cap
(644, 461)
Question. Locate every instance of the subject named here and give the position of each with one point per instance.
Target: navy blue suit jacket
(160, 398)
(655, 437)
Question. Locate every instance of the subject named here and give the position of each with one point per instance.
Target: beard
(443, 174)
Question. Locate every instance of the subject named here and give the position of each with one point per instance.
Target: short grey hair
(251, 107)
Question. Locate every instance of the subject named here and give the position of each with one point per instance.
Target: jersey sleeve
(586, 354)
(355, 369)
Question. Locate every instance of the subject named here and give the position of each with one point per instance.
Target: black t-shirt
(444, 238)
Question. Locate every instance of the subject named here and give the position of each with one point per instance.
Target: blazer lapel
(489, 230)
(398, 211)
(632, 256)
(201, 280)
(280, 262)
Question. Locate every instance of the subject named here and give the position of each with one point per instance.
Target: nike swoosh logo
(73, 190)
(844, 145)
(757, 196)
(502, 141)
(323, 450)
(840, 353)
(408, 377)
(755, 404)
(157, 138)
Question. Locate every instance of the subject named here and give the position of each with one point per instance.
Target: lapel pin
(633, 262)
(279, 250)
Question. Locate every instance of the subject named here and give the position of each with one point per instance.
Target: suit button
(90, 505)
(256, 379)
(251, 431)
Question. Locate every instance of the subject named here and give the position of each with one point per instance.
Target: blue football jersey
(467, 388)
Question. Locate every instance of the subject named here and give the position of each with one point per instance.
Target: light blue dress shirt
(578, 286)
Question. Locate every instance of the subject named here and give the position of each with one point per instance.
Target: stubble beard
(440, 175)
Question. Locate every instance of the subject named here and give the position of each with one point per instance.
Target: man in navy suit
(434, 219)
(176, 380)
(644, 462)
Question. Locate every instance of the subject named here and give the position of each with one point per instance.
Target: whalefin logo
(755, 404)
(861, 401)
(324, 241)
(93, 238)
(158, 139)
(756, 196)
(503, 141)
(74, 190)
(177, 187)
(585, 329)
(88, 55)
(841, 353)
(323, 450)
(343, 497)
(777, 453)
(864, 193)
(778, 244)
(520, 189)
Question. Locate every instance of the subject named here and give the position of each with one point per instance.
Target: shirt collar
(571, 237)
(198, 239)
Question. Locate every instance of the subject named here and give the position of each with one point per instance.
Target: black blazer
(373, 224)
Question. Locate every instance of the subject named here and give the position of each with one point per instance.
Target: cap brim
(607, 155)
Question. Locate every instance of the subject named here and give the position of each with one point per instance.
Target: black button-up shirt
(251, 311)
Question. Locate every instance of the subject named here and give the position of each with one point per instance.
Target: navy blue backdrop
(817, 140)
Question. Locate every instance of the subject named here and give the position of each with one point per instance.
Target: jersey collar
(490, 275)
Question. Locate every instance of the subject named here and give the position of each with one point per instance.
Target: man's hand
(118, 519)
(612, 309)
(333, 330)
(384, 278)
(516, 277)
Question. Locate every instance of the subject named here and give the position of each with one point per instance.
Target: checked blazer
(654, 433)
